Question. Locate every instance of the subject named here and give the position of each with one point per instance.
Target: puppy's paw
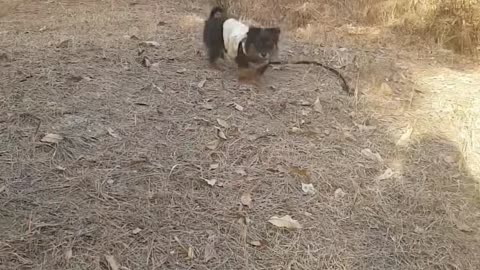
(246, 75)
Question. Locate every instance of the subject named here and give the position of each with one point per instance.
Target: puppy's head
(262, 43)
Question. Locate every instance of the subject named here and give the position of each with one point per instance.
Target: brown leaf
(65, 43)
(304, 103)
(372, 156)
(150, 44)
(112, 262)
(221, 134)
(240, 171)
(136, 231)
(207, 106)
(210, 182)
(2, 188)
(112, 133)
(238, 107)
(212, 145)
(285, 222)
(405, 138)
(255, 243)
(146, 62)
(181, 71)
(296, 130)
(201, 83)
(246, 200)
(223, 123)
(210, 248)
(300, 172)
(68, 254)
(52, 138)
(386, 175)
(190, 253)
(339, 193)
(317, 106)
(214, 166)
(349, 136)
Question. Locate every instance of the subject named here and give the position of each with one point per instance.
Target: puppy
(249, 46)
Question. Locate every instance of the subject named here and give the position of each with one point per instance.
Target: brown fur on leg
(247, 75)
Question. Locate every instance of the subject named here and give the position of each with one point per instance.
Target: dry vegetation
(112, 161)
(452, 23)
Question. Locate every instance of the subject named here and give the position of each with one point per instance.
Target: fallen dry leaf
(449, 159)
(68, 254)
(112, 262)
(405, 138)
(386, 89)
(221, 134)
(2, 188)
(285, 222)
(136, 231)
(255, 243)
(349, 136)
(246, 200)
(317, 106)
(190, 253)
(201, 83)
(304, 103)
(386, 175)
(223, 123)
(150, 43)
(306, 112)
(207, 106)
(463, 227)
(339, 193)
(146, 62)
(296, 130)
(300, 172)
(210, 182)
(240, 171)
(52, 138)
(372, 156)
(65, 43)
(212, 145)
(308, 189)
(113, 133)
(210, 248)
(214, 166)
(238, 107)
(181, 71)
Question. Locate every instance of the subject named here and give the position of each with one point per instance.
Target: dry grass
(452, 23)
(128, 178)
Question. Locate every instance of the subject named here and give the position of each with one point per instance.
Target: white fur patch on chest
(234, 32)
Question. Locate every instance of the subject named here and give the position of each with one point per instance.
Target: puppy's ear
(253, 31)
(275, 31)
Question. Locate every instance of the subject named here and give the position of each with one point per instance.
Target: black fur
(260, 45)
(213, 34)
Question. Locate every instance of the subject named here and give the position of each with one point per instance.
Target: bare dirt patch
(106, 163)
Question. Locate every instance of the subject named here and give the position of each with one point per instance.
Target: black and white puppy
(249, 46)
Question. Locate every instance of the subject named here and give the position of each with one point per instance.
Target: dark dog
(249, 46)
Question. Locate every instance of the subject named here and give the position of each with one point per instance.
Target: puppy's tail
(217, 12)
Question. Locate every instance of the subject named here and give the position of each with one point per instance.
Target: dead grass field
(154, 168)
(452, 24)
